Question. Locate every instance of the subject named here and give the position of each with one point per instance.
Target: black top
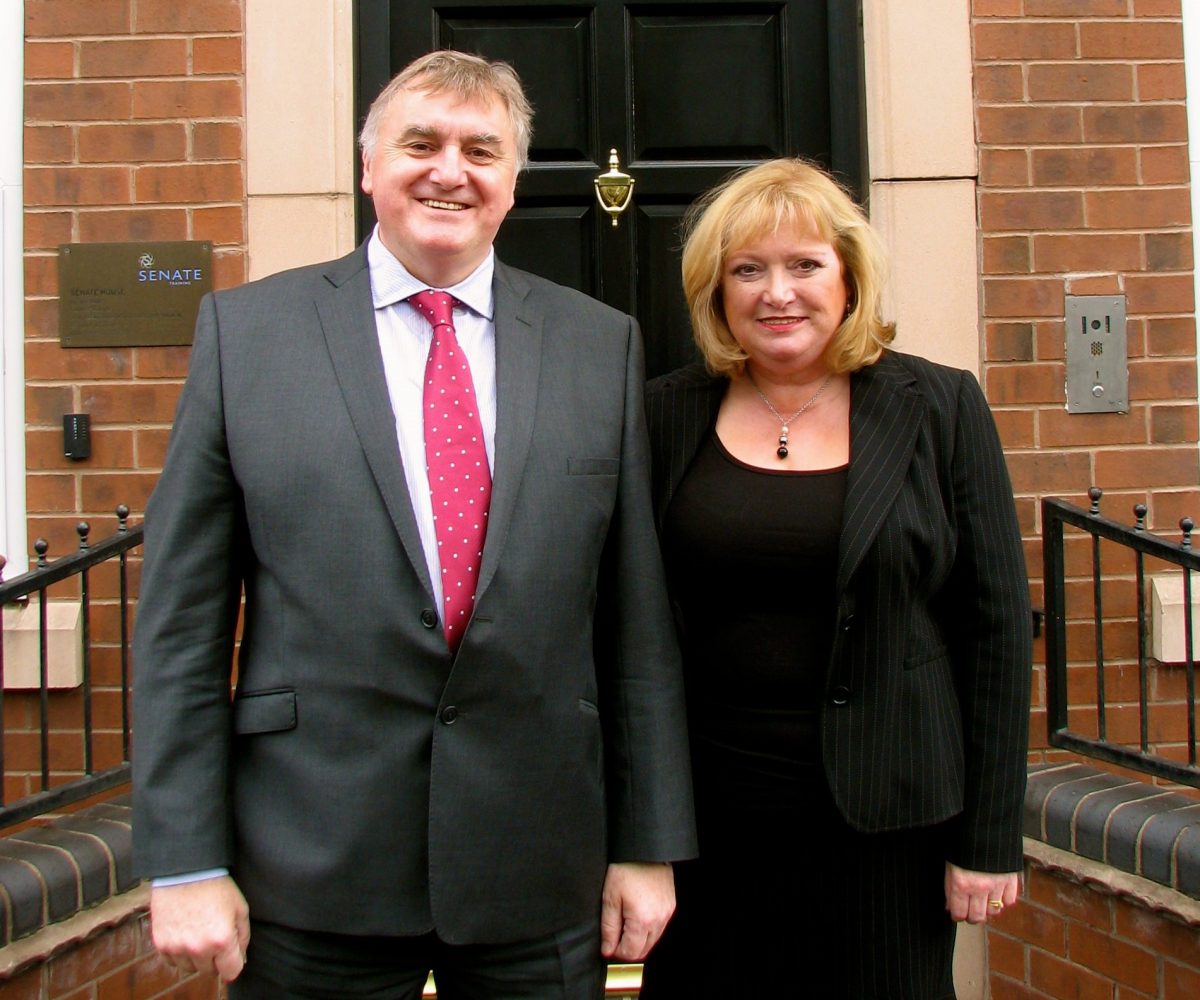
(752, 556)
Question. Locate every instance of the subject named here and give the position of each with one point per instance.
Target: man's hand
(202, 926)
(972, 896)
(638, 901)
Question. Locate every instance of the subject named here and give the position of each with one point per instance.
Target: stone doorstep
(1132, 826)
(74, 875)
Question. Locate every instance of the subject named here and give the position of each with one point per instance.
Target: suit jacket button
(449, 714)
(428, 618)
(840, 695)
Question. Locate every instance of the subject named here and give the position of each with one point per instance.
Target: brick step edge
(70, 865)
(1130, 825)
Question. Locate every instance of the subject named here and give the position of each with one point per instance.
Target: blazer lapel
(688, 400)
(886, 409)
(518, 370)
(348, 323)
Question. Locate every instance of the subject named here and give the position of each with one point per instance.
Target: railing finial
(122, 517)
(1139, 512)
(41, 547)
(1094, 494)
(82, 529)
(1186, 524)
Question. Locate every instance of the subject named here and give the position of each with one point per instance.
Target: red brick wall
(1084, 189)
(1070, 939)
(134, 131)
(118, 963)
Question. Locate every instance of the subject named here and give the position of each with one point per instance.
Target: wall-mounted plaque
(131, 294)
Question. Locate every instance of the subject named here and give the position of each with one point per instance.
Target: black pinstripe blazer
(926, 706)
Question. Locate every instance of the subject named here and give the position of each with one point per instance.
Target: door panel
(554, 241)
(719, 99)
(685, 91)
(552, 54)
(658, 288)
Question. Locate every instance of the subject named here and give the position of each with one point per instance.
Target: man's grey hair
(469, 77)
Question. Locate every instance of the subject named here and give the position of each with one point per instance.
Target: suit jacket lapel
(518, 370)
(693, 398)
(886, 409)
(348, 323)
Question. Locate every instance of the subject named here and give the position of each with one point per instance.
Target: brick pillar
(134, 131)
(1084, 189)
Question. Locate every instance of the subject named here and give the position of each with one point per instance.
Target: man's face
(442, 177)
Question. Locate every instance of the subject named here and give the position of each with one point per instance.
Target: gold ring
(996, 904)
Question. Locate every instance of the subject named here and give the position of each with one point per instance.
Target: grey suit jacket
(926, 707)
(361, 781)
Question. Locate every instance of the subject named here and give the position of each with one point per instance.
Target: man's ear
(366, 175)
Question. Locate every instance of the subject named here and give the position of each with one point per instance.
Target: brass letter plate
(131, 294)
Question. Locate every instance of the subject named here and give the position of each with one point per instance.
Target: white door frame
(13, 531)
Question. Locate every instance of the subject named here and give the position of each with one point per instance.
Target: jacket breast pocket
(264, 712)
(592, 466)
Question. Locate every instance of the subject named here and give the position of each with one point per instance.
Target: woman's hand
(973, 896)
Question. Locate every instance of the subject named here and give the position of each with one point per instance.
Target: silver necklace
(782, 450)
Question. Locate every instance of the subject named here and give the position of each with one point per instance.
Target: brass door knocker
(614, 190)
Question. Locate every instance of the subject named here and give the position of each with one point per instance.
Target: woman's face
(785, 297)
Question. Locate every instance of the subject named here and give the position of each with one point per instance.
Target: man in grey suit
(477, 768)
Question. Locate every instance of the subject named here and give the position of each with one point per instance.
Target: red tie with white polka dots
(460, 483)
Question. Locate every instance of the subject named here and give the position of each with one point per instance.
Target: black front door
(685, 92)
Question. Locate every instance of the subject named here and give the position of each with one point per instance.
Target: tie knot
(437, 307)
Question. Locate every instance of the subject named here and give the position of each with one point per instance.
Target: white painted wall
(12, 291)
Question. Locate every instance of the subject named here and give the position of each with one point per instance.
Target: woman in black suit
(851, 596)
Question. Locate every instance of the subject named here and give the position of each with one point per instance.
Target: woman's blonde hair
(755, 203)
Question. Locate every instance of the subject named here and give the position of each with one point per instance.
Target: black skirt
(786, 900)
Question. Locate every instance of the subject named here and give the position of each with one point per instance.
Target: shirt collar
(391, 281)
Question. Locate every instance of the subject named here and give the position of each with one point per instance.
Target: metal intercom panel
(1097, 354)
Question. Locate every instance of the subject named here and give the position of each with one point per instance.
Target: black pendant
(782, 451)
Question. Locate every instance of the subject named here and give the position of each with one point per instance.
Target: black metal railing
(1174, 557)
(53, 789)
